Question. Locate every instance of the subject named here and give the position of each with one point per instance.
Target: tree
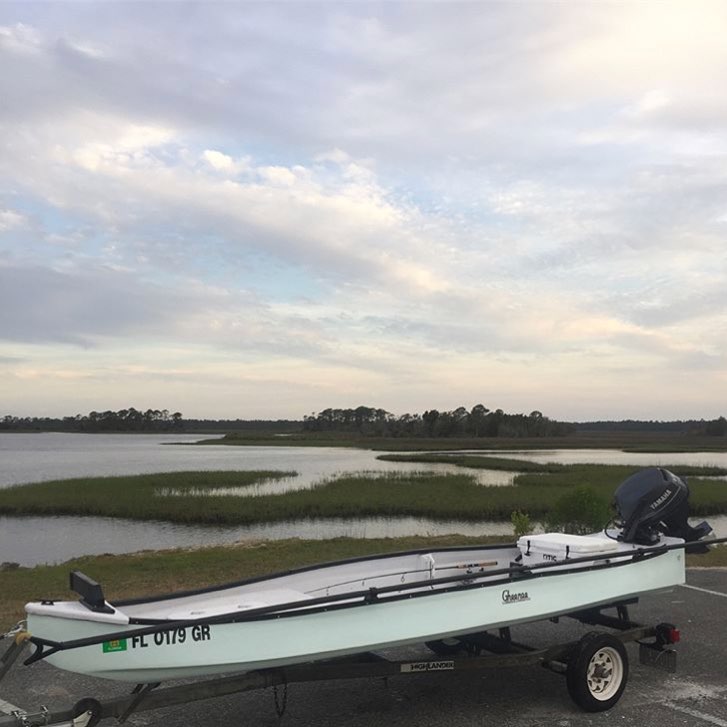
(430, 420)
(716, 428)
(478, 419)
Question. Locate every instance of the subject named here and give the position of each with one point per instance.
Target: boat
(362, 605)
(345, 608)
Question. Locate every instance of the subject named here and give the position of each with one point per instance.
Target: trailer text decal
(509, 597)
(428, 666)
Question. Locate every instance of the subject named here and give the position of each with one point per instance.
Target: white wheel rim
(605, 673)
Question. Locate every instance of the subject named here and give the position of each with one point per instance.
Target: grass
(475, 461)
(628, 441)
(133, 496)
(394, 494)
(707, 497)
(156, 572)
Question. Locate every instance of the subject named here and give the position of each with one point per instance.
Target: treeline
(714, 427)
(477, 422)
(124, 420)
(136, 420)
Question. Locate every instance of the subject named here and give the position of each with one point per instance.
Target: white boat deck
(335, 580)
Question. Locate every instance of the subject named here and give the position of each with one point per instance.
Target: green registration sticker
(111, 646)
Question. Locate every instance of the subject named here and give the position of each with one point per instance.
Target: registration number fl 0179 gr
(172, 637)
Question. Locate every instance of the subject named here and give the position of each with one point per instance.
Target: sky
(261, 210)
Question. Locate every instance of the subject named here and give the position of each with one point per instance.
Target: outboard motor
(656, 501)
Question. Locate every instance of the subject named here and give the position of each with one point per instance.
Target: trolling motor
(653, 502)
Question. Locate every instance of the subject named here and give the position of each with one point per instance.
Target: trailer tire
(597, 672)
(90, 706)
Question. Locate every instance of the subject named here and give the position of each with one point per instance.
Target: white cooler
(556, 547)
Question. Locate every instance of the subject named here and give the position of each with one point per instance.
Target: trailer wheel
(597, 672)
(445, 647)
(87, 709)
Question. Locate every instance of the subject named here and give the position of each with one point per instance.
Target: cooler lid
(557, 542)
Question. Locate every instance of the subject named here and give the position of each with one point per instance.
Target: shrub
(521, 523)
(578, 511)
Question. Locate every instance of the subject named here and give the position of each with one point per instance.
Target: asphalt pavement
(696, 695)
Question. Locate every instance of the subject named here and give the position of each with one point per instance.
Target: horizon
(250, 208)
(184, 418)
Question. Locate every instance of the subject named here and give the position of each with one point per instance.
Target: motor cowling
(655, 501)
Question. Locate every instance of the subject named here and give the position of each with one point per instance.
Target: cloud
(9, 219)
(340, 197)
(224, 163)
(43, 305)
(20, 39)
(92, 306)
(336, 221)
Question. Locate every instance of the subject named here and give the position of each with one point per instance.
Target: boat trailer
(595, 667)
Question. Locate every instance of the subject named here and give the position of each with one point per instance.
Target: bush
(521, 523)
(579, 511)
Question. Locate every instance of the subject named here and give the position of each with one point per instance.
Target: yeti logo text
(508, 597)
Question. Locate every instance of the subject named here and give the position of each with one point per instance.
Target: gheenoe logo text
(509, 597)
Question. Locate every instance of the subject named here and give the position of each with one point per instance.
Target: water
(615, 456)
(33, 540)
(488, 478)
(40, 457)
(34, 457)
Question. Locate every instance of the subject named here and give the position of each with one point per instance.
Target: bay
(617, 456)
(35, 540)
(28, 458)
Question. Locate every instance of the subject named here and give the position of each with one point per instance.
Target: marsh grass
(443, 496)
(392, 494)
(629, 441)
(474, 461)
(707, 496)
(133, 496)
